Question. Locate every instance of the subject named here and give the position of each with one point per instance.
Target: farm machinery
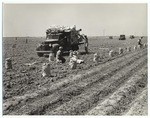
(67, 37)
(122, 37)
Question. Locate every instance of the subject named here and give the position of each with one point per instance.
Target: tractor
(122, 37)
(66, 37)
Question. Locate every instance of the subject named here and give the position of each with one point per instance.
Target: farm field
(114, 86)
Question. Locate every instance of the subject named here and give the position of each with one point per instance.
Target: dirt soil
(114, 86)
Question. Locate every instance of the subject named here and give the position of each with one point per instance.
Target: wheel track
(80, 104)
(44, 108)
(140, 105)
(78, 79)
(121, 100)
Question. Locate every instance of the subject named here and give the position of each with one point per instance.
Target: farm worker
(76, 53)
(86, 43)
(75, 58)
(140, 42)
(71, 53)
(59, 57)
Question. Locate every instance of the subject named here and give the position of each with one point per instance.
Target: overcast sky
(93, 19)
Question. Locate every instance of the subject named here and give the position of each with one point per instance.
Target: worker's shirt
(86, 41)
(139, 42)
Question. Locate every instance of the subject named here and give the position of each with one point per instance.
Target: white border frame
(69, 1)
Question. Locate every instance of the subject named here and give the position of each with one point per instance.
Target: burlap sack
(120, 50)
(111, 53)
(51, 57)
(8, 63)
(46, 70)
(96, 57)
(73, 63)
(135, 47)
(128, 49)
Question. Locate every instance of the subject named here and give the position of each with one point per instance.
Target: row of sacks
(96, 57)
(74, 59)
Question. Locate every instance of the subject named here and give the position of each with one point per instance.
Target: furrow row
(81, 103)
(119, 101)
(109, 68)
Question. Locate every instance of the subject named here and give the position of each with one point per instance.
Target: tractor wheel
(40, 54)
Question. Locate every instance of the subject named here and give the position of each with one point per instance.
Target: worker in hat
(140, 42)
(85, 42)
(75, 57)
(59, 57)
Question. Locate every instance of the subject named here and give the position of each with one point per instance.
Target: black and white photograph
(73, 59)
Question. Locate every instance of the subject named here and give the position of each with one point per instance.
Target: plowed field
(114, 86)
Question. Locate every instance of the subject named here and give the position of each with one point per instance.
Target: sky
(21, 20)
